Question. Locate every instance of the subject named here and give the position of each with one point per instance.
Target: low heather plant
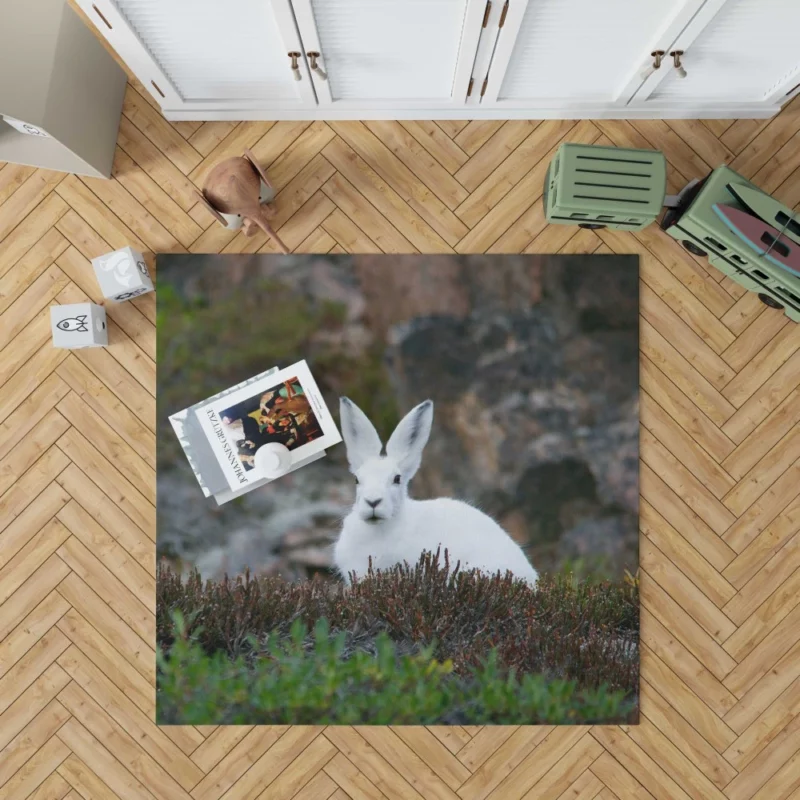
(291, 682)
(563, 630)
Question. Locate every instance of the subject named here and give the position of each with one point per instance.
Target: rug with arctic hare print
(452, 536)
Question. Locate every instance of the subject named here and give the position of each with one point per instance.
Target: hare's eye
(397, 479)
(355, 478)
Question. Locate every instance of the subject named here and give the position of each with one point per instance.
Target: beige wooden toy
(237, 192)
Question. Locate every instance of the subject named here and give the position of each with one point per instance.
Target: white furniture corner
(458, 59)
(57, 77)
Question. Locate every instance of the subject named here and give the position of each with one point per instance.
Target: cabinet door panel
(209, 54)
(749, 51)
(416, 52)
(578, 52)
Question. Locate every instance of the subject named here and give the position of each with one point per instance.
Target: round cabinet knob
(657, 55)
(273, 460)
(676, 60)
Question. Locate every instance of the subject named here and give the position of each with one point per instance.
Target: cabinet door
(579, 53)
(735, 51)
(208, 55)
(390, 54)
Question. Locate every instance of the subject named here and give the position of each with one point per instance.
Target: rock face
(531, 361)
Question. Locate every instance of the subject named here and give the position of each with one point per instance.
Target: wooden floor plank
(12, 176)
(30, 630)
(673, 581)
(765, 692)
(109, 517)
(503, 762)
(683, 555)
(376, 227)
(781, 566)
(31, 702)
(610, 772)
(683, 411)
(120, 745)
(496, 185)
(125, 713)
(475, 134)
(643, 768)
(418, 228)
(25, 530)
(108, 587)
(769, 615)
(105, 773)
(493, 152)
(420, 162)
(762, 731)
(684, 375)
(30, 230)
(110, 625)
(147, 192)
(686, 738)
(691, 634)
(31, 484)
(26, 198)
(37, 769)
(768, 433)
(159, 131)
(31, 266)
(437, 143)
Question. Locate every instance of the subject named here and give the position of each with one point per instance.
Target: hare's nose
(374, 503)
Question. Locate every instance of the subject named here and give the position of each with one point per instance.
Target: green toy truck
(605, 187)
(700, 230)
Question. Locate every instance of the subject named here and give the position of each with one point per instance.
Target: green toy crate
(695, 224)
(605, 187)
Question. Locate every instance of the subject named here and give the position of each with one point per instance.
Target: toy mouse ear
(214, 213)
(257, 167)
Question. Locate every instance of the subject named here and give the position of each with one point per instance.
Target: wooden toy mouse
(236, 192)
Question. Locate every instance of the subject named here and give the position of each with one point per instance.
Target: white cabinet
(388, 54)
(570, 53)
(206, 55)
(438, 59)
(734, 51)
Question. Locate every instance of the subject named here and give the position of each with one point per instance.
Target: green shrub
(563, 629)
(307, 680)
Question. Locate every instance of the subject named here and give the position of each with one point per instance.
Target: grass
(411, 645)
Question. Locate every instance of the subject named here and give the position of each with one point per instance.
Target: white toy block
(78, 325)
(122, 274)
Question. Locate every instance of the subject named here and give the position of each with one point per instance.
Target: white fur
(398, 528)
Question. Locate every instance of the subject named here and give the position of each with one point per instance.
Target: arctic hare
(386, 524)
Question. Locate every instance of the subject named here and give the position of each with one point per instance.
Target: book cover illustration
(221, 435)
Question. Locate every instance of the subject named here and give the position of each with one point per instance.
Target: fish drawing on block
(77, 324)
(119, 264)
(763, 238)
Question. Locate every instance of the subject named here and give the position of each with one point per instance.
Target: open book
(221, 434)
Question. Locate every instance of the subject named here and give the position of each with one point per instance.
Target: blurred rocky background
(532, 362)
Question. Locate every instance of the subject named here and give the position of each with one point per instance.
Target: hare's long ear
(360, 437)
(410, 437)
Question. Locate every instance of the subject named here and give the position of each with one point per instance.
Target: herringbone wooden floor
(720, 548)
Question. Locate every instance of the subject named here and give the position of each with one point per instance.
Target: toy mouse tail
(268, 229)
